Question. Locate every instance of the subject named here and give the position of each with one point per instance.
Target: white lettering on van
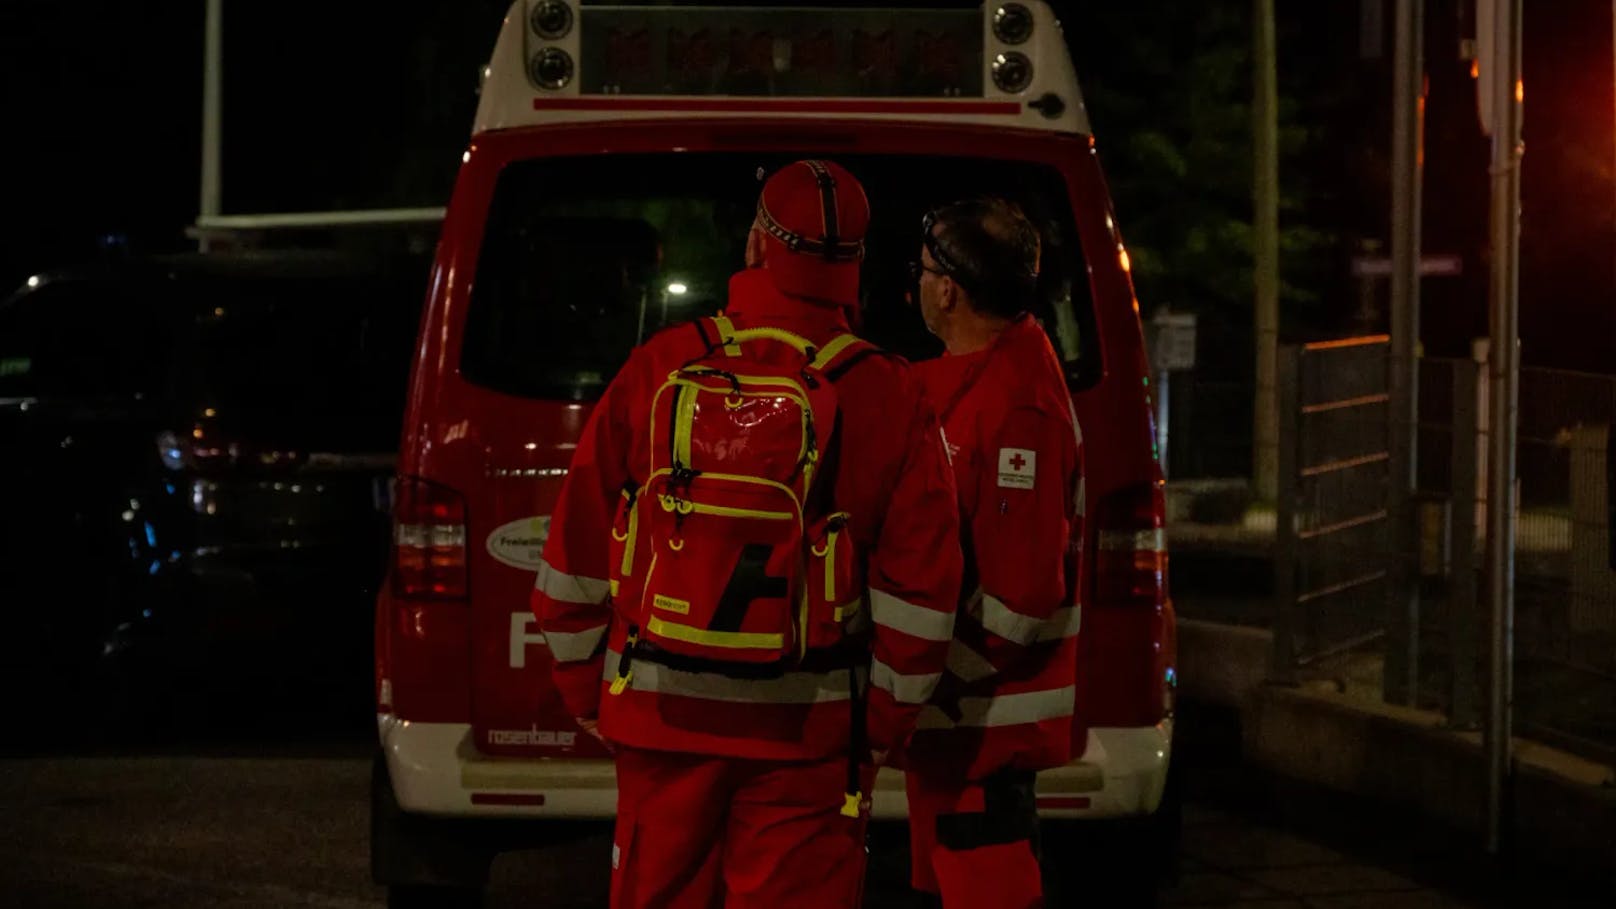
(532, 736)
(524, 631)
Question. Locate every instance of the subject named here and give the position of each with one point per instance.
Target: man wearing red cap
(752, 632)
(1004, 710)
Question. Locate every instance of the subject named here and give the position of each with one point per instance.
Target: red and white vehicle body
(569, 238)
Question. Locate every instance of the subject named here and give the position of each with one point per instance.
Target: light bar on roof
(794, 52)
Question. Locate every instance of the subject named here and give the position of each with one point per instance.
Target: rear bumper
(436, 770)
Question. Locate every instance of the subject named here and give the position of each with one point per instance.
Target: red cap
(814, 215)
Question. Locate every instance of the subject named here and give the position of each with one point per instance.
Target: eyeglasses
(918, 268)
(946, 265)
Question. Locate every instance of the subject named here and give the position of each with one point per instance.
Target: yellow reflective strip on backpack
(830, 567)
(627, 567)
(686, 414)
(833, 349)
(728, 640)
(728, 336)
(683, 418)
(725, 511)
(790, 388)
(803, 345)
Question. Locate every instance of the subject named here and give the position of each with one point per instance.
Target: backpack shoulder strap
(723, 335)
(841, 354)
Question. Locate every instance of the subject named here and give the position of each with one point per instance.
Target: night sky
(347, 105)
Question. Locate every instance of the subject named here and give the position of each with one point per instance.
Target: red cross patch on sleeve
(1017, 467)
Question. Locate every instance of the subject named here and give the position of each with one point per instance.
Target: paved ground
(240, 832)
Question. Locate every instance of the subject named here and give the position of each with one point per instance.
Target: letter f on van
(524, 631)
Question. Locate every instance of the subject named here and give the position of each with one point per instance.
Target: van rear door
(584, 256)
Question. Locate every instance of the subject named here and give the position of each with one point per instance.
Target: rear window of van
(584, 258)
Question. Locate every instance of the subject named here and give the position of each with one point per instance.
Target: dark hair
(990, 248)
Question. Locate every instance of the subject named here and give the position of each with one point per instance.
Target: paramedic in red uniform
(1004, 709)
(739, 791)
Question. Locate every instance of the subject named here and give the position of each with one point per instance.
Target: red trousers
(975, 843)
(702, 832)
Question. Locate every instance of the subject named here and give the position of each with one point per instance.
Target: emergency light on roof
(557, 61)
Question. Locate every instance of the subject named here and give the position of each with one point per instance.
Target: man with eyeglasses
(1004, 708)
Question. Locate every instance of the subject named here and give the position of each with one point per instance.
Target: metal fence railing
(1334, 506)
(1355, 559)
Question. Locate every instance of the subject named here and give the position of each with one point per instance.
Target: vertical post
(1286, 478)
(1462, 602)
(1504, 381)
(1265, 197)
(212, 110)
(1408, 106)
(1164, 413)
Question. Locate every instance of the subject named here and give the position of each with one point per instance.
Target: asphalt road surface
(234, 831)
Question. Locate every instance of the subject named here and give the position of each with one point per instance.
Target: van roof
(562, 62)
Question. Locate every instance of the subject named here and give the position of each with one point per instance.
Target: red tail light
(429, 542)
(1130, 567)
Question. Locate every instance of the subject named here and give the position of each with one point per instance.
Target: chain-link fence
(1565, 565)
(1565, 569)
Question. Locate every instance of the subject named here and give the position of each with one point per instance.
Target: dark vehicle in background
(196, 455)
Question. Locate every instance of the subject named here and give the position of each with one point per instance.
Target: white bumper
(435, 770)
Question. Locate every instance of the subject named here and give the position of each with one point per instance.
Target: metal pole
(1408, 121)
(1265, 197)
(212, 111)
(1462, 611)
(1504, 379)
(1164, 413)
(1287, 479)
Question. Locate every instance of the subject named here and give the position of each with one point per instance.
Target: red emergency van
(606, 193)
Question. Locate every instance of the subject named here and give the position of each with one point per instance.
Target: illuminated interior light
(678, 289)
(1124, 261)
(33, 281)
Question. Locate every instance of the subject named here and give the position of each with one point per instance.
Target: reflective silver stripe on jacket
(570, 647)
(905, 689)
(915, 621)
(1005, 709)
(1023, 629)
(791, 688)
(570, 588)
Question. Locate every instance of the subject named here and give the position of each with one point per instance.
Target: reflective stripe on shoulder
(1022, 629)
(905, 689)
(1005, 709)
(570, 588)
(791, 688)
(915, 621)
(570, 647)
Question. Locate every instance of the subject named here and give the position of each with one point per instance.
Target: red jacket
(893, 479)
(1017, 454)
